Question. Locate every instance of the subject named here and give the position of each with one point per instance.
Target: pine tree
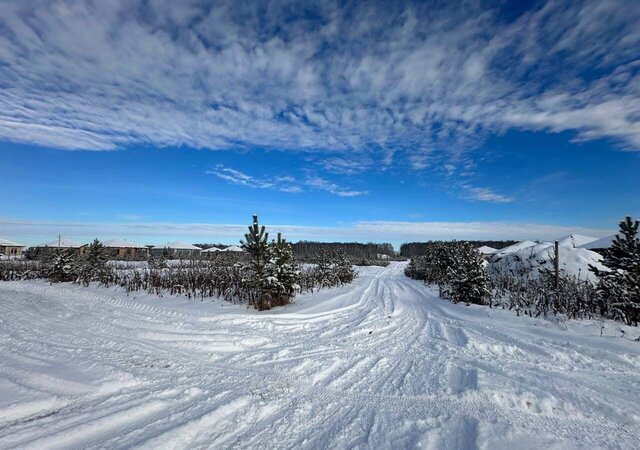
(468, 278)
(255, 244)
(324, 273)
(344, 269)
(93, 264)
(62, 267)
(619, 284)
(281, 273)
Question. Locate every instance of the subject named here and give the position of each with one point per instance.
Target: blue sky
(333, 121)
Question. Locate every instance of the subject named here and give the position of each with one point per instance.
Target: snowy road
(382, 363)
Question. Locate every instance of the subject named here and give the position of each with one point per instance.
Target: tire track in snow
(393, 367)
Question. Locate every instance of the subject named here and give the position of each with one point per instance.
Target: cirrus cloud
(388, 81)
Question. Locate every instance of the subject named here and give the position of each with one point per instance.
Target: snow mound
(604, 242)
(486, 250)
(512, 249)
(532, 260)
(575, 240)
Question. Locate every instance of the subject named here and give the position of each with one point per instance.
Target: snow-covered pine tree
(344, 268)
(93, 264)
(282, 272)
(62, 267)
(324, 273)
(255, 243)
(469, 281)
(619, 284)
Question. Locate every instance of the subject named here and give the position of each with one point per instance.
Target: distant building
(208, 253)
(232, 248)
(9, 248)
(122, 248)
(61, 244)
(176, 249)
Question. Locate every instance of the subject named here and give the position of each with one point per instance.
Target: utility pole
(59, 239)
(556, 266)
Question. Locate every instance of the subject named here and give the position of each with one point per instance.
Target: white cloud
(30, 232)
(484, 194)
(236, 177)
(383, 81)
(286, 183)
(325, 185)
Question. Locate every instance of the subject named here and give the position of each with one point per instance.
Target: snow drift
(530, 259)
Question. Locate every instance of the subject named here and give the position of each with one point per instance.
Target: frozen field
(381, 363)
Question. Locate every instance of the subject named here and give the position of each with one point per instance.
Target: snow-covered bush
(13, 270)
(537, 296)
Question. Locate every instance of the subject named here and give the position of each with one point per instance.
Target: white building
(62, 244)
(232, 248)
(9, 248)
(176, 249)
(123, 248)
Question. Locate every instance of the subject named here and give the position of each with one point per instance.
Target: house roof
(232, 248)
(211, 250)
(179, 245)
(62, 243)
(6, 243)
(122, 243)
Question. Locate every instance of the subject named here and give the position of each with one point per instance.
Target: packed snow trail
(381, 363)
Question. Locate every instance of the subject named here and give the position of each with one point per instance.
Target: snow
(211, 250)
(573, 261)
(575, 240)
(604, 242)
(380, 363)
(62, 243)
(178, 245)
(486, 250)
(512, 249)
(121, 243)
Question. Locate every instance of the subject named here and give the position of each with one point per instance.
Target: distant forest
(305, 250)
(411, 249)
(309, 250)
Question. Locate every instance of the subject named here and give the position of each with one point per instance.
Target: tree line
(308, 250)
(411, 249)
